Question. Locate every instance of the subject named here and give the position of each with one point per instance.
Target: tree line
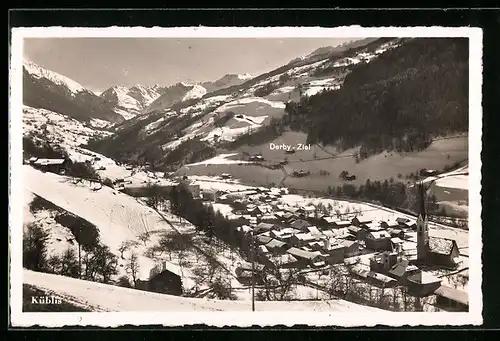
(92, 260)
(398, 101)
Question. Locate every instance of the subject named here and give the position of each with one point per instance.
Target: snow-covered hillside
(56, 78)
(46, 125)
(102, 297)
(226, 81)
(224, 116)
(122, 219)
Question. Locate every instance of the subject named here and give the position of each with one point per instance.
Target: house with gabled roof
(378, 241)
(326, 222)
(302, 239)
(443, 251)
(277, 246)
(341, 223)
(263, 227)
(300, 224)
(305, 258)
(390, 224)
(373, 227)
(360, 221)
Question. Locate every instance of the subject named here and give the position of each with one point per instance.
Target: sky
(99, 63)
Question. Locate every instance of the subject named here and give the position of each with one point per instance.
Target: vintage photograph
(246, 174)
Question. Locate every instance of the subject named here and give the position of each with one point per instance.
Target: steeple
(421, 193)
(422, 228)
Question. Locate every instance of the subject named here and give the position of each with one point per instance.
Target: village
(314, 240)
(318, 240)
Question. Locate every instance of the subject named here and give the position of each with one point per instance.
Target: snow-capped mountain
(176, 93)
(226, 81)
(50, 90)
(131, 102)
(183, 91)
(38, 72)
(223, 115)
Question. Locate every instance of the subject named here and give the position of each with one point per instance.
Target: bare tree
(123, 247)
(144, 237)
(132, 267)
(279, 284)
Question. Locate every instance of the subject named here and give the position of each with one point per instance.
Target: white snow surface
(118, 217)
(221, 159)
(40, 72)
(58, 128)
(196, 92)
(245, 76)
(242, 101)
(108, 298)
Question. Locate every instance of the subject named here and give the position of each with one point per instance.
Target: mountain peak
(37, 71)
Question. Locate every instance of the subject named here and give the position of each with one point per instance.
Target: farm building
(314, 231)
(351, 248)
(300, 224)
(395, 232)
(145, 191)
(289, 217)
(244, 273)
(284, 234)
(342, 233)
(393, 224)
(397, 244)
(264, 227)
(372, 277)
(256, 158)
(326, 222)
(401, 270)
(262, 239)
(306, 210)
(302, 239)
(165, 278)
(341, 223)
(50, 165)
(333, 251)
(378, 241)
(373, 227)
(208, 195)
(281, 261)
(422, 283)
(270, 218)
(452, 299)
(401, 220)
(358, 232)
(305, 258)
(358, 221)
(384, 261)
(277, 246)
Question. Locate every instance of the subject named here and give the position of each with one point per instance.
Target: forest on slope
(399, 101)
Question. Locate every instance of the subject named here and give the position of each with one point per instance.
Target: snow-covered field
(108, 298)
(219, 159)
(59, 128)
(119, 218)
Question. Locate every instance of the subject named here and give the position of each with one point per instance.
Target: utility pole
(253, 270)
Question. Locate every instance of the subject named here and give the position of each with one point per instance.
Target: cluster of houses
(301, 237)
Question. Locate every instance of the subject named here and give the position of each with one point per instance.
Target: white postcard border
(245, 319)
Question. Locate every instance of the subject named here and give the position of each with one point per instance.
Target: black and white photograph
(275, 176)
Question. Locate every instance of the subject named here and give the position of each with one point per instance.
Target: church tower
(422, 227)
